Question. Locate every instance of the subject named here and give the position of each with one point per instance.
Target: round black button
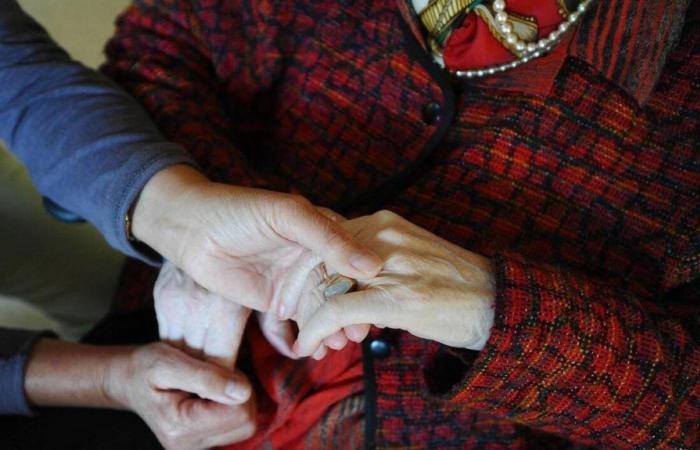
(380, 348)
(431, 112)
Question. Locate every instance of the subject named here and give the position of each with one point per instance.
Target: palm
(254, 261)
(251, 246)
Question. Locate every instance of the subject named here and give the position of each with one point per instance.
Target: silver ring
(335, 284)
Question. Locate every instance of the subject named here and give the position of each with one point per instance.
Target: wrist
(67, 374)
(117, 377)
(156, 218)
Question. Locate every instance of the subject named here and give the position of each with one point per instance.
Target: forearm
(87, 144)
(72, 375)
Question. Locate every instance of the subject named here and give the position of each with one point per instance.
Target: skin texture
(428, 287)
(155, 381)
(239, 249)
(251, 246)
(205, 324)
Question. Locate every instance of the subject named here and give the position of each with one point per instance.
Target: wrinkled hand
(206, 325)
(429, 287)
(157, 382)
(252, 246)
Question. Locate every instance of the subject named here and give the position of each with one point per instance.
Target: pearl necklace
(525, 50)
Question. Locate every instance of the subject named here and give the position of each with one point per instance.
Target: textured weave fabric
(465, 34)
(585, 196)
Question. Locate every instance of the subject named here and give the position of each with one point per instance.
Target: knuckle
(210, 379)
(401, 261)
(392, 235)
(162, 360)
(170, 435)
(165, 355)
(335, 238)
(385, 216)
(294, 202)
(334, 310)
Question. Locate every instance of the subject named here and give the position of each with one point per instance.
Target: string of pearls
(526, 50)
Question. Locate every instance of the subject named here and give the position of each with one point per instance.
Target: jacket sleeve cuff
(573, 355)
(15, 347)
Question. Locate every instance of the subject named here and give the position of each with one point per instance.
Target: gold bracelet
(127, 226)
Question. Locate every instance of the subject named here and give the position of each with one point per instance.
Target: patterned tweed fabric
(586, 196)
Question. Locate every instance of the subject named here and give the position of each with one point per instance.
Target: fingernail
(365, 262)
(320, 353)
(282, 311)
(235, 392)
(295, 349)
(354, 335)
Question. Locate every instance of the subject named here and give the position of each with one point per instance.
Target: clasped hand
(427, 286)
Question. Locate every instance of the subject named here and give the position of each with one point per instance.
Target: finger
(357, 333)
(320, 353)
(162, 326)
(225, 335)
(295, 283)
(240, 434)
(336, 341)
(278, 333)
(168, 291)
(302, 223)
(223, 424)
(355, 308)
(185, 373)
(195, 334)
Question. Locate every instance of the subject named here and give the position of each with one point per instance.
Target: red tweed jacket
(585, 192)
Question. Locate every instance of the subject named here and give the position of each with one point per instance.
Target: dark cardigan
(586, 197)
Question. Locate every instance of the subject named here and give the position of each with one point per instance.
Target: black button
(431, 112)
(380, 348)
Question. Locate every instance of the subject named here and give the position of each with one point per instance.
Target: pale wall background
(81, 26)
(54, 275)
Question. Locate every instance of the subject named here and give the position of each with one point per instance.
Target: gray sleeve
(87, 144)
(15, 346)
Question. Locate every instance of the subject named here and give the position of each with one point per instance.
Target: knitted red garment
(584, 193)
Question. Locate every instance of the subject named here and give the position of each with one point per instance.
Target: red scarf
(473, 45)
(293, 395)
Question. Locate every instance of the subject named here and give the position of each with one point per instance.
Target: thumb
(206, 380)
(370, 306)
(304, 224)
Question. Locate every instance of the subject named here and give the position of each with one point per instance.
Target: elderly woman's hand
(428, 287)
(205, 324)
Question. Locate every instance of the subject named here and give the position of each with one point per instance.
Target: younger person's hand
(188, 404)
